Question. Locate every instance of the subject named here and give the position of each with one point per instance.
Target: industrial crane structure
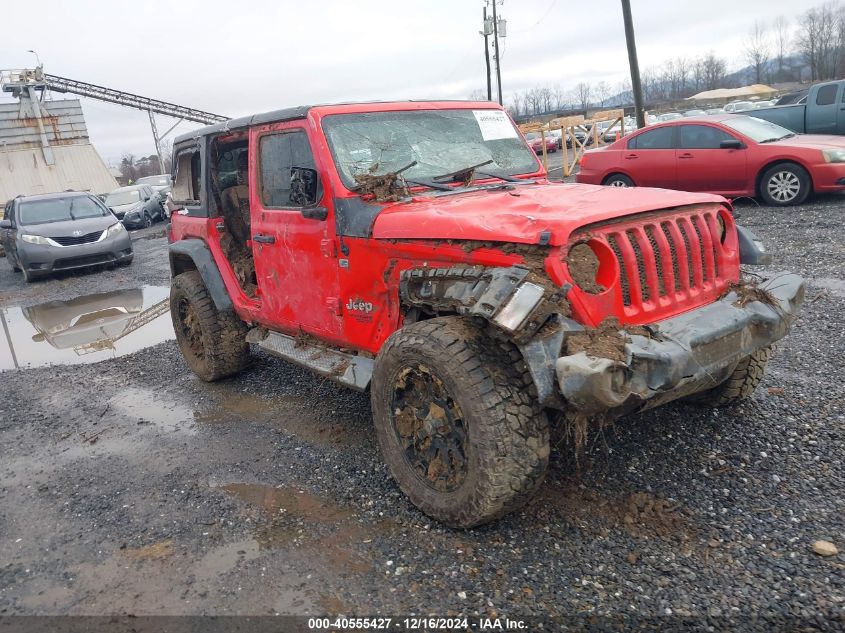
(24, 84)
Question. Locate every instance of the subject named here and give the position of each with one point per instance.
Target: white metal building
(44, 148)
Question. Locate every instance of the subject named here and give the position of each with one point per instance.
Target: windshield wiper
(778, 138)
(463, 175)
(70, 211)
(428, 183)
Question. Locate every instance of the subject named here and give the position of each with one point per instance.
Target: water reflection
(85, 329)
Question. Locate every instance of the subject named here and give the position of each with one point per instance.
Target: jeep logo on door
(358, 305)
(360, 310)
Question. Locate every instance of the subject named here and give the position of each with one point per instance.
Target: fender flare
(200, 255)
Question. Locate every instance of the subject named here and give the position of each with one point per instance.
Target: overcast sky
(237, 58)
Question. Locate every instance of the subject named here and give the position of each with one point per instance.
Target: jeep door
(292, 242)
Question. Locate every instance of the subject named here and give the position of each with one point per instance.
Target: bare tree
(583, 92)
(602, 92)
(758, 50)
(558, 97)
(816, 40)
(781, 42)
(697, 74)
(477, 95)
(533, 101)
(714, 71)
(545, 94)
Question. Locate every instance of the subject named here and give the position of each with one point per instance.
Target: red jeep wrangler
(417, 250)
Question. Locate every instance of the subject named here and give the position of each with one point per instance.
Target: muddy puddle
(85, 329)
(148, 407)
(293, 518)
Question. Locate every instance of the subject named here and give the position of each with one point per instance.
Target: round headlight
(584, 263)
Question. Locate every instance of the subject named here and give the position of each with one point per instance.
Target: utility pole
(636, 86)
(486, 34)
(496, 49)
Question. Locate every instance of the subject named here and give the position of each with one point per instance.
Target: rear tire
(457, 421)
(784, 185)
(212, 342)
(740, 384)
(618, 180)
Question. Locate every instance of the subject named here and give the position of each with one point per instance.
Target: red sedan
(729, 154)
(535, 140)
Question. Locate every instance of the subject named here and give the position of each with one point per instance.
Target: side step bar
(347, 369)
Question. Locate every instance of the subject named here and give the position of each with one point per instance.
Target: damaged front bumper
(688, 353)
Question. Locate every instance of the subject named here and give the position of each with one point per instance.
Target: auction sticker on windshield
(494, 125)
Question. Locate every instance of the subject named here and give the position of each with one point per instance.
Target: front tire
(458, 425)
(147, 222)
(742, 382)
(618, 180)
(213, 343)
(784, 185)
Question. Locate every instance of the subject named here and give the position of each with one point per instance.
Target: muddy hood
(523, 213)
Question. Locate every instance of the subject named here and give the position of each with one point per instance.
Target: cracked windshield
(439, 142)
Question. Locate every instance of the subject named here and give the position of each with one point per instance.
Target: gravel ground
(129, 487)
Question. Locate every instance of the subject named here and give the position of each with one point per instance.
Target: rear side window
(661, 138)
(702, 137)
(186, 186)
(826, 95)
(277, 154)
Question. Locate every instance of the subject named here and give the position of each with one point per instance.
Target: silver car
(61, 231)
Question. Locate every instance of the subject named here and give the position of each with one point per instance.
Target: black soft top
(274, 116)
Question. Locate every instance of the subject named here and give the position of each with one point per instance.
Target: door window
(826, 95)
(661, 138)
(278, 155)
(702, 137)
(186, 186)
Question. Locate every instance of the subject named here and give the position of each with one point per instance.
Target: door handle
(631, 156)
(687, 155)
(264, 239)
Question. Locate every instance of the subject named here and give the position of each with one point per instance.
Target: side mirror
(5, 224)
(147, 199)
(731, 143)
(304, 183)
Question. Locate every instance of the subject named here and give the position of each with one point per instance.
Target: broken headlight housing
(519, 306)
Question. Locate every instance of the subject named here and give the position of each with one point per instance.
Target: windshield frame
(22, 220)
(775, 131)
(532, 167)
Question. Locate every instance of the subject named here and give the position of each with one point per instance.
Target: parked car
(160, 183)
(669, 116)
(458, 287)
(61, 231)
(729, 154)
(739, 106)
(821, 113)
(536, 141)
(696, 112)
(715, 111)
(558, 136)
(136, 205)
